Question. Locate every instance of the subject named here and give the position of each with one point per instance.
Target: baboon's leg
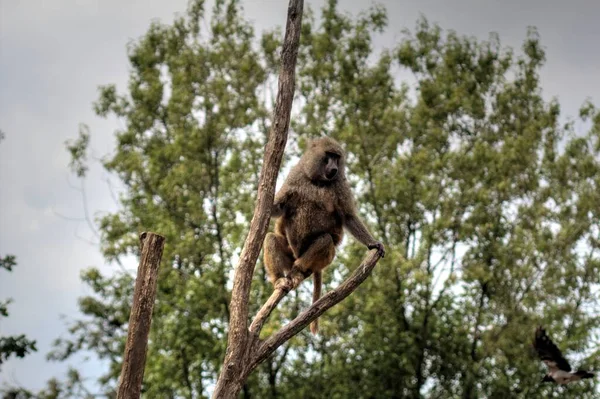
(278, 257)
(317, 257)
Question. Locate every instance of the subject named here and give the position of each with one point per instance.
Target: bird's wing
(548, 352)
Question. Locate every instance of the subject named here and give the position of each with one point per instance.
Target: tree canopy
(468, 172)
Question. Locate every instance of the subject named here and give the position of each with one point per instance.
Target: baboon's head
(323, 160)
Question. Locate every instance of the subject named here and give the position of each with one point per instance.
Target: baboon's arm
(358, 229)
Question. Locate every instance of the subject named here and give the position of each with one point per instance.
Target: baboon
(312, 207)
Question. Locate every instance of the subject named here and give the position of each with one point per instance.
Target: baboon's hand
(379, 247)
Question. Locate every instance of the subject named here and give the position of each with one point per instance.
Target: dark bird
(559, 370)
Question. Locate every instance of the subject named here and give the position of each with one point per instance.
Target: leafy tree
(72, 387)
(14, 345)
(468, 173)
(189, 157)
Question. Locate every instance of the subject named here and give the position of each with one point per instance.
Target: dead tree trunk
(232, 377)
(134, 358)
(245, 351)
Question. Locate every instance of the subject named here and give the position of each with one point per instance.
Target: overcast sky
(54, 54)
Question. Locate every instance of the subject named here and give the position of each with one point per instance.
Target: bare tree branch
(231, 379)
(264, 313)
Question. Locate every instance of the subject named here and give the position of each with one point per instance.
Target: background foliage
(467, 172)
(12, 345)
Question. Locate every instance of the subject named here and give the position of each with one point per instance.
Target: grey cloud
(53, 55)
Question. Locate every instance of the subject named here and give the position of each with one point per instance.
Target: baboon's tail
(317, 282)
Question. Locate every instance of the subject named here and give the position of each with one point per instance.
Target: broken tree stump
(134, 358)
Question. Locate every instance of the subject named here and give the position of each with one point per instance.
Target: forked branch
(326, 302)
(244, 350)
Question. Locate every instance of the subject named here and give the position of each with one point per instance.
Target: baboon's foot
(283, 283)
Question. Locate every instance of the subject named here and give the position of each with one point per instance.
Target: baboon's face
(323, 161)
(330, 166)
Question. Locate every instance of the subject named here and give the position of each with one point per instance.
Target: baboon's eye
(325, 160)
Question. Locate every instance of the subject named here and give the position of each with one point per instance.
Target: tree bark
(231, 378)
(140, 318)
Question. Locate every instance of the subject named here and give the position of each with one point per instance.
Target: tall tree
(188, 156)
(460, 174)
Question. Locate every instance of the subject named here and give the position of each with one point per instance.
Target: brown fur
(312, 210)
